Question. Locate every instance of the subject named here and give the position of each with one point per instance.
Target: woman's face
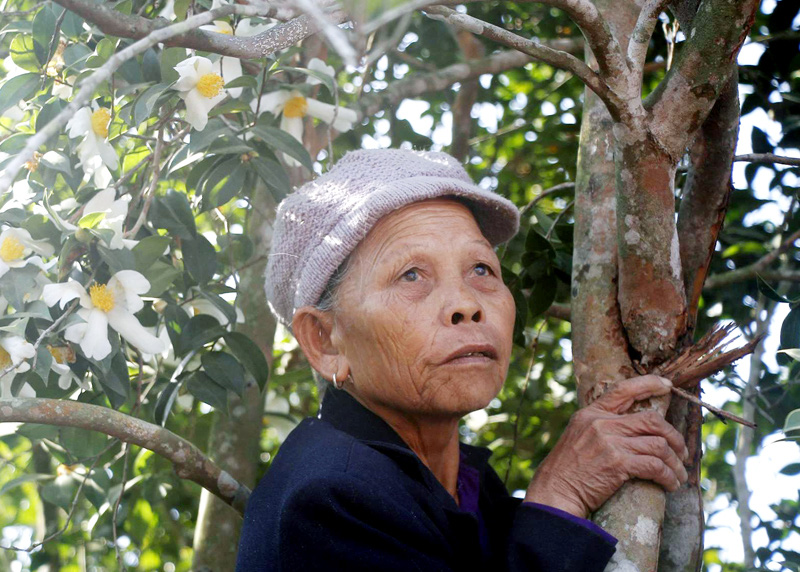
(423, 317)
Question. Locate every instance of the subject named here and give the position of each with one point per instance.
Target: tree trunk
(234, 439)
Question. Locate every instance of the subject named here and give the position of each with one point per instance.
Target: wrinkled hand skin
(602, 447)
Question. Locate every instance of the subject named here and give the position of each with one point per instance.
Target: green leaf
(223, 368)
(17, 88)
(44, 28)
(324, 78)
(791, 469)
(57, 161)
(769, 291)
(170, 57)
(48, 112)
(542, 295)
(199, 258)
(148, 250)
(250, 355)
(114, 380)
(181, 8)
(279, 140)
(82, 443)
(13, 143)
(60, 491)
(91, 220)
(243, 81)
(32, 478)
(792, 422)
(790, 333)
(273, 176)
(166, 399)
(223, 183)
(173, 213)
(161, 276)
(27, 53)
(199, 331)
(221, 305)
(207, 390)
(143, 107)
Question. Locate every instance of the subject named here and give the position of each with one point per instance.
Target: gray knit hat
(321, 223)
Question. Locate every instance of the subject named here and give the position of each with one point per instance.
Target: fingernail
(666, 381)
(685, 454)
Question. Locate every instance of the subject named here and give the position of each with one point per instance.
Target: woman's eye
(410, 275)
(482, 269)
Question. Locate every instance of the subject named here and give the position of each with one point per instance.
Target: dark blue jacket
(346, 493)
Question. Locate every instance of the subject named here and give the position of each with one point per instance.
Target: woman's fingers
(652, 469)
(650, 423)
(623, 394)
(657, 447)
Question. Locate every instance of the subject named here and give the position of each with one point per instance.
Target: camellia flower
(231, 68)
(115, 209)
(94, 151)
(14, 350)
(112, 304)
(62, 357)
(200, 87)
(16, 245)
(293, 107)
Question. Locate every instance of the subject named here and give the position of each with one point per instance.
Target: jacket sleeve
(546, 539)
(342, 522)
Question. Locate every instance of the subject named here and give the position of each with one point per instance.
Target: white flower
(94, 151)
(203, 306)
(293, 107)
(115, 209)
(111, 304)
(317, 65)
(231, 68)
(200, 88)
(62, 357)
(14, 350)
(16, 245)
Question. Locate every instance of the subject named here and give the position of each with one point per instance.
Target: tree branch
(768, 158)
(680, 104)
(706, 193)
(555, 58)
(115, 23)
(189, 462)
(640, 38)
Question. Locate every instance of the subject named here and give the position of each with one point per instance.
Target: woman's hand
(602, 447)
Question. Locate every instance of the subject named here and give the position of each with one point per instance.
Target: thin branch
(567, 186)
(768, 158)
(103, 73)
(721, 413)
(188, 461)
(640, 38)
(759, 268)
(115, 23)
(149, 193)
(115, 513)
(555, 58)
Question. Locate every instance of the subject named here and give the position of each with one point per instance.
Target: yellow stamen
(227, 30)
(62, 354)
(209, 85)
(100, 120)
(296, 107)
(11, 249)
(33, 163)
(102, 297)
(5, 358)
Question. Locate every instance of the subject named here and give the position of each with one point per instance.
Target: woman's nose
(462, 305)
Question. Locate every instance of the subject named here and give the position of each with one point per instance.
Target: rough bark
(463, 125)
(234, 439)
(187, 460)
(706, 193)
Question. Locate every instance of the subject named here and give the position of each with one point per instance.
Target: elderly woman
(385, 270)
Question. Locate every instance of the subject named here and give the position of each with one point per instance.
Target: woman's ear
(312, 328)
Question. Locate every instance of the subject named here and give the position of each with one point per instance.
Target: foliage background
(525, 126)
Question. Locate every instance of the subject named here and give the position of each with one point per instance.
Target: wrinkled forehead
(430, 224)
